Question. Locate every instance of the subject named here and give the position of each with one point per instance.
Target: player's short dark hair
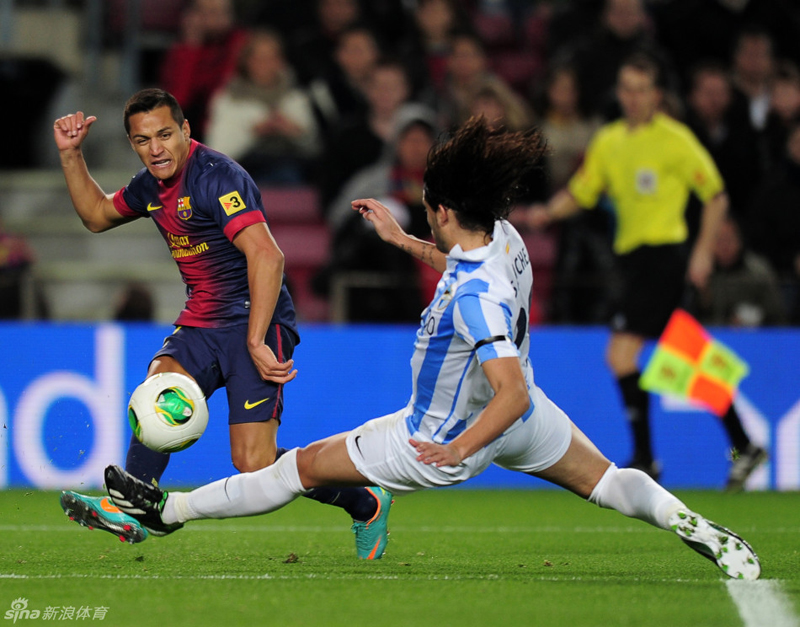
(477, 171)
(145, 100)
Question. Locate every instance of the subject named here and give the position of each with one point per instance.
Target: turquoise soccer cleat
(98, 512)
(372, 535)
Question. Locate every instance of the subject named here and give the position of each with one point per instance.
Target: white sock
(633, 493)
(246, 494)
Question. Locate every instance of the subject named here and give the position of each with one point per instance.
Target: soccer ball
(168, 412)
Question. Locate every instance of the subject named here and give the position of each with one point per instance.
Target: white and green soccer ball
(168, 412)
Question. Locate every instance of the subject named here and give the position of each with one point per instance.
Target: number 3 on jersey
(232, 203)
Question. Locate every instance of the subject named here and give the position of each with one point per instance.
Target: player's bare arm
(390, 231)
(265, 275)
(510, 401)
(94, 207)
(701, 262)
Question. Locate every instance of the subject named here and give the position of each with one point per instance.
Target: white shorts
(381, 452)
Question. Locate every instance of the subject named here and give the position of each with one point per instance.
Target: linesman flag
(688, 363)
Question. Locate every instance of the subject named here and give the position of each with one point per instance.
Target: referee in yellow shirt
(647, 164)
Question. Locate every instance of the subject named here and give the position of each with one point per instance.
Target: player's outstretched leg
(727, 550)
(632, 493)
(98, 512)
(142, 501)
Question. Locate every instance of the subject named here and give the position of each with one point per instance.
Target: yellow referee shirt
(647, 173)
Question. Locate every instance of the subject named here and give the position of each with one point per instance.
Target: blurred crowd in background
(345, 97)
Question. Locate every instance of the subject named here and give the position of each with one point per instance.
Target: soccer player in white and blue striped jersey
(474, 401)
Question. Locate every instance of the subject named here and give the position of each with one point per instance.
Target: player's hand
(437, 454)
(269, 367)
(70, 131)
(386, 226)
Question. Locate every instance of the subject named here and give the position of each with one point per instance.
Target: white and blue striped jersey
(480, 312)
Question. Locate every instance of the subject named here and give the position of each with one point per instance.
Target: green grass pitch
(456, 557)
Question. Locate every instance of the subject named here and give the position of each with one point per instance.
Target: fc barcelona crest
(184, 208)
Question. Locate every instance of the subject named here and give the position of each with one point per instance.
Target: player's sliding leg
(633, 493)
(246, 494)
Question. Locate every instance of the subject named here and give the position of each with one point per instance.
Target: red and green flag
(688, 363)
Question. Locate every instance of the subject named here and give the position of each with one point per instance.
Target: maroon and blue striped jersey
(198, 214)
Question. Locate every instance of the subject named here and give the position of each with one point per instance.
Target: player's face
(438, 239)
(161, 144)
(638, 95)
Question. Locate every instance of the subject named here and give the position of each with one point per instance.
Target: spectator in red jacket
(203, 59)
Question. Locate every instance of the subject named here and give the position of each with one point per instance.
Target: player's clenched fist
(70, 131)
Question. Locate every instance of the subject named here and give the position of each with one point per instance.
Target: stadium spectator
(474, 401)
(204, 58)
(732, 144)
(584, 263)
(502, 108)
(623, 29)
(238, 329)
(312, 46)
(695, 31)
(743, 289)
(397, 180)
(565, 123)
(360, 140)
(428, 44)
(784, 108)
(753, 69)
(341, 92)
(774, 222)
(468, 72)
(648, 164)
(262, 119)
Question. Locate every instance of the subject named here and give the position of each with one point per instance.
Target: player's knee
(250, 460)
(305, 465)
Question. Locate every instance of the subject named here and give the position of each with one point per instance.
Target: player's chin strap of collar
(490, 340)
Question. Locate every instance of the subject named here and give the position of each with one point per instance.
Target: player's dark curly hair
(145, 100)
(477, 171)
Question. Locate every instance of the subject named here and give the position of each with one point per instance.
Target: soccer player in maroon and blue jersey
(238, 328)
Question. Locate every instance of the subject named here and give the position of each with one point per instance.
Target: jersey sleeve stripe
(121, 206)
(243, 221)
